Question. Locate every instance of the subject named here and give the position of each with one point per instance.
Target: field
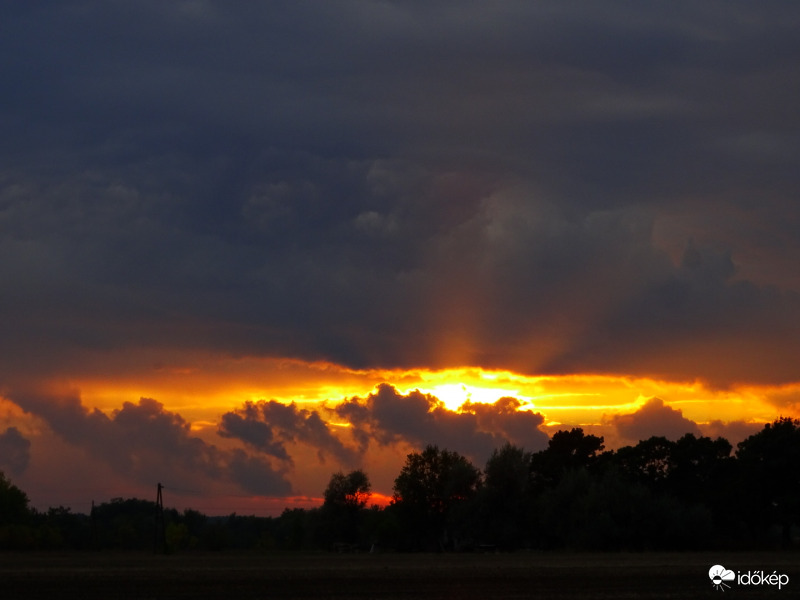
(385, 576)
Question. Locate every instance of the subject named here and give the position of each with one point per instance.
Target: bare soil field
(385, 576)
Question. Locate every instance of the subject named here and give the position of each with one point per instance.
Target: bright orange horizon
(197, 398)
(200, 394)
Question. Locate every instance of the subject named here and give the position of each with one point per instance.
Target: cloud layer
(537, 187)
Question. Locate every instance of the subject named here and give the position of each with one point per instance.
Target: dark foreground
(387, 576)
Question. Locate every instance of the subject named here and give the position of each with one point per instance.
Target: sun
(454, 395)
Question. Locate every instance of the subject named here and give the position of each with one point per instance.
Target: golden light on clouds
(204, 389)
(196, 395)
(454, 395)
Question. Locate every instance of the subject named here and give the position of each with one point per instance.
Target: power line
(179, 491)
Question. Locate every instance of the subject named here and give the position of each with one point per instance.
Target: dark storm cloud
(15, 451)
(268, 425)
(654, 418)
(388, 417)
(146, 442)
(403, 184)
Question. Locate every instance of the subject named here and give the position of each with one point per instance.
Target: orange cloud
(654, 418)
(300, 421)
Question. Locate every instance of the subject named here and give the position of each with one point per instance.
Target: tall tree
(431, 492)
(566, 451)
(698, 467)
(341, 513)
(351, 491)
(506, 497)
(13, 503)
(770, 472)
(647, 462)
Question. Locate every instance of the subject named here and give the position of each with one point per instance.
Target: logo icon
(719, 575)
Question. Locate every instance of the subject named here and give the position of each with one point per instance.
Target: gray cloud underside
(654, 418)
(15, 451)
(536, 186)
(268, 425)
(148, 443)
(386, 417)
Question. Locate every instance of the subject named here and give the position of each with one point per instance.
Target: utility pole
(93, 515)
(160, 538)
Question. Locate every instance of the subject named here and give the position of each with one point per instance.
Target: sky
(244, 245)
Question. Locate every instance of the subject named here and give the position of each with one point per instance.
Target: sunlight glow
(203, 389)
(454, 395)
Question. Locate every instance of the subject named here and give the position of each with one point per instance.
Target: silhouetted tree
(195, 523)
(345, 499)
(350, 491)
(607, 511)
(13, 503)
(431, 492)
(60, 528)
(770, 475)
(566, 451)
(506, 496)
(647, 462)
(658, 494)
(126, 523)
(15, 530)
(295, 529)
(698, 468)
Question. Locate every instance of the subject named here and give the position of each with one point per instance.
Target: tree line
(691, 494)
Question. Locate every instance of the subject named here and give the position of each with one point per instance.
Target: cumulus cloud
(520, 427)
(654, 418)
(147, 443)
(388, 417)
(733, 431)
(15, 451)
(246, 426)
(268, 425)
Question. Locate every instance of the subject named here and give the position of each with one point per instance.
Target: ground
(385, 576)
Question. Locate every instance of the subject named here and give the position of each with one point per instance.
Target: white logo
(719, 575)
